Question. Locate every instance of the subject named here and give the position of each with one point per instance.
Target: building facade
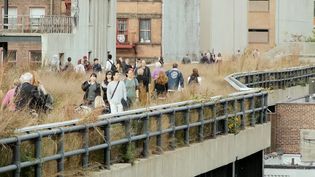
(92, 34)
(181, 30)
(28, 12)
(139, 29)
(223, 26)
(75, 28)
(261, 33)
(294, 20)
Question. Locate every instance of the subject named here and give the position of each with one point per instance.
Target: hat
(26, 77)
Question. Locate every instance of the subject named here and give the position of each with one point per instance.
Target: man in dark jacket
(92, 89)
(24, 92)
(175, 78)
(96, 66)
(143, 76)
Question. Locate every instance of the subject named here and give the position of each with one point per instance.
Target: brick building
(288, 124)
(21, 14)
(139, 29)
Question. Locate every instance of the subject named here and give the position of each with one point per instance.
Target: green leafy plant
(234, 124)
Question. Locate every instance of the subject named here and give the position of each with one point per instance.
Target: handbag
(125, 104)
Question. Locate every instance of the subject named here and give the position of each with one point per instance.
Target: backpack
(193, 80)
(113, 68)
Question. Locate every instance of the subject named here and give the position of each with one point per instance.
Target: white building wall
(223, 25)
(180, 29)
(293, 17)
(95, 35)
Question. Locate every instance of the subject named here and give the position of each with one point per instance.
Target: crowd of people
(121, 86)
(124, 84)
(205, 58)
(27, 93)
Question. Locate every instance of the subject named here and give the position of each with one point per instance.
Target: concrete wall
(294, 17)
(223, 25)
(180, 29)
(197, 158)
(284, 95)
(96, 35)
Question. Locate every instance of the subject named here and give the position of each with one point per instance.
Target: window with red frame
(122, 30)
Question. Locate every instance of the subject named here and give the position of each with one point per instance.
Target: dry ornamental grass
(66, 91)
(66, 88)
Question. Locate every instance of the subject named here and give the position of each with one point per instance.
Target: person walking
(175, 79)
(143, 76)
(80, 67)
(194, 78)
(156, 71)
(161, 85)
(107, 80)
(116, 92)
(132, 87)
(92, 89)
(110, 65)
(97, 68)
(68, 66)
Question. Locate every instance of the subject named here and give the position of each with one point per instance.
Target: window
(35, 15)
(122, 30)
(12, 56)
(258, 35)
(258, 6)
(12, 17)
(145, 31)
(35, 56)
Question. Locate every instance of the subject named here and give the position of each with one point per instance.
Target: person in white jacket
(116, 91)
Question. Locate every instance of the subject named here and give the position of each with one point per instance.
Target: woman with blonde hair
(161, 85)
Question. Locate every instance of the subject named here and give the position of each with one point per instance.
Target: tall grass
(66, 90)
(66, 87)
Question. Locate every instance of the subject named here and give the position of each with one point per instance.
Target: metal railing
(41, 24)
(272, 79)
(209, 118)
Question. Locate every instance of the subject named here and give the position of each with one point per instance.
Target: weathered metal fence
(272, 80)
(38, 24)
(210, 118)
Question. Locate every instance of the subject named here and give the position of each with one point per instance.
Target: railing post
(201, 119)
(262, 111)
(186, 131)
(252, 107)
(243, 120)
(147, 139)
(265, 107)
(159, 137)
(214, 125)
(60, 151)
(235, 112)
(172, 134)
(17, 157)
(226, 128)
(38, 167)
(86, 147)
(108, 149)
